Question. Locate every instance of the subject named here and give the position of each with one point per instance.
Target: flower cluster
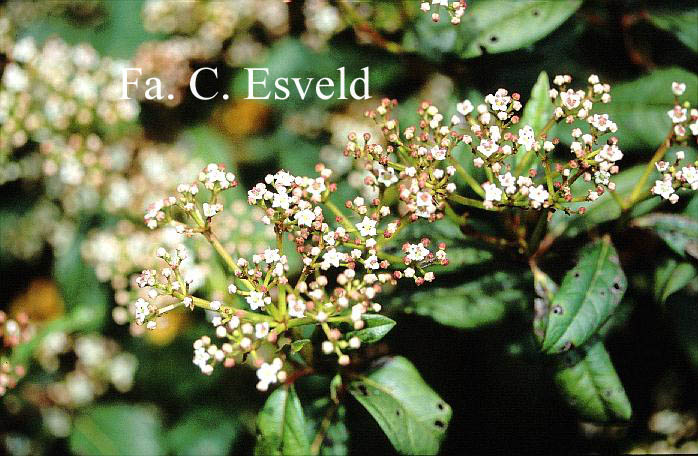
(455, 9)
(343, 260)
(13, 331)
(678, 175)
(51, 91)
(201, 31)
(421, 161)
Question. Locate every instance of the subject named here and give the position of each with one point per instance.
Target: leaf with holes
(410, 413)
(684, 25)
(678, 231)
(476, 303)
(505, 25)
(589, 382)
(281, 424)
(671, 277)
(586, 299)
(537, 113)
(375, 327)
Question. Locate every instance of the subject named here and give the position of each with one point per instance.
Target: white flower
(499, 101)
(281, 200)
(508, 182)
(416, 252)
(487, 147)
(268, 374)
(690, 173)
(211, 210)
(305, 217)
(261, 330)
(142, 310)
(367, 227)
(694, 128)
(663, 188)
(372, 262)
(296, 307)
(527, 137)
(492, 192)
(678, 114)
(332, 258)
(602, 123)
(678, 88)
(386, 175)
(609, 152)
(465, 108)
(572, 99)
(255, 300)
(438, 153)
(271, 256)
(538, 195)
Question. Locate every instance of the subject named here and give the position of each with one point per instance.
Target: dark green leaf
(116, 430)
(671, 277)
(410, 413)
(586, 299)
(376, 326)
(537, 112)
(682, 24)
(281, 425)
(205, 431)
(591, 385)
(496, 26)
(684, 314)
(336, 435)
(679, 232)
(476, 303)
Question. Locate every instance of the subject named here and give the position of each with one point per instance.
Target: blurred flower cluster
(13, 331)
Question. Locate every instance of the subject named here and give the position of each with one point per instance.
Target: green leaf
(117, 429)
(679, 232)
(297, 345)
(537, 112)
(640, 108)
(336, 436)
(683, 312)
(682, 24)
(281, 424)
(410, 413)
(376, 327)
(476, 303)
(591, 385)
(671, 277)
(205, 431)
(586, 299)
(503, 25)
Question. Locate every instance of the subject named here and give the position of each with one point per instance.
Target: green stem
(470, 180)
(658, 155)
(466, 201)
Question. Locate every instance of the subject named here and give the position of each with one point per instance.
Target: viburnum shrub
(498, 156)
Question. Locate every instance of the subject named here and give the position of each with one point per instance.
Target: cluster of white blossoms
(455, 9)
(204, 31)
(678, 175)
(13, 331)
(420, 160)
(344, 262)
(57, 89)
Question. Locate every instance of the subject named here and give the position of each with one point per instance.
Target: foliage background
(502, 395)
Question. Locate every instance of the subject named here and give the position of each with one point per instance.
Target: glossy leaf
(376, 327)
(410, 413)
(281, 425)
(671, 277)
(589, 382)
(476, 303)
(205, 431)
(684, 25)
(335, 438)
(505, 25)
(537, 111)
(679, 232)
(117, 429)
(587, 297)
